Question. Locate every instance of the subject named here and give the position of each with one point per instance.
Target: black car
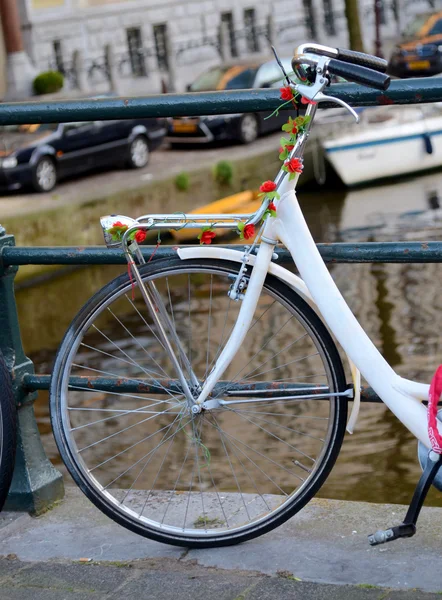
(40, 155)
(242, 127)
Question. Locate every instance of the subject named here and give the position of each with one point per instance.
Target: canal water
(400, 307)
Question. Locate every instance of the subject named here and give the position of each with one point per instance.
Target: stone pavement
(168, 580)
(75, 552)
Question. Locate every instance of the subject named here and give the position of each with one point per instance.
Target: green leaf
(292, 176)
(287, 127)
(240, 226)
(283, 155)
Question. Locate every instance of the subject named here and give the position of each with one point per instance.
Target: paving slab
(326, 543)
(169, 579)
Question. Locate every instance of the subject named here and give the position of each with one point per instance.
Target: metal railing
(37, 484)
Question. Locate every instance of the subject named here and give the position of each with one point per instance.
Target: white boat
(390, 141)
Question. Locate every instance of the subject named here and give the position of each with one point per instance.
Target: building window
(160, 37)
(310, 24)
(250, 29)
(58, 56)
(136, 53)
(329, 18)
(227, 18)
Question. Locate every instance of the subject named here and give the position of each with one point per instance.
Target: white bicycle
(200, 400)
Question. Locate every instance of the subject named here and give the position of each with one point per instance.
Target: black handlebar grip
(359, 74)
(362, 59)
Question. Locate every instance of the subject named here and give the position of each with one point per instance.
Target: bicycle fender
(293, 281)
(220, 253)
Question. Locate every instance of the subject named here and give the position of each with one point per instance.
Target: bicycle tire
(71, 432)
(8, 431)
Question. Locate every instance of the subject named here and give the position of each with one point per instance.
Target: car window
(71, 127)
(270, 74)
(209, 80)
(242, 80)
(412, 29)
(437, 28)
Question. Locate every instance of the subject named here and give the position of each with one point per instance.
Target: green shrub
(48, 82)
(223, 172)
(182, 182)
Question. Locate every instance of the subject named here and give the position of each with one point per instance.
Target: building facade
(145, 46)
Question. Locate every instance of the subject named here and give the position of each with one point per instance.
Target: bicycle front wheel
(129, 440)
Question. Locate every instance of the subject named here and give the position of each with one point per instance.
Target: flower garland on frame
(267, 190)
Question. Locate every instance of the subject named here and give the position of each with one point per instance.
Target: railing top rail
(367, 252)
(409, 91)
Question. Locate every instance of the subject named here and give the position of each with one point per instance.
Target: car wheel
(45, 175)
(248, 129)
(138, 152)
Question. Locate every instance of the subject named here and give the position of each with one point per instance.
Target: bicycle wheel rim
(202, 534)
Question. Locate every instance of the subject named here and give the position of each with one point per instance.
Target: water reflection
(398, 305)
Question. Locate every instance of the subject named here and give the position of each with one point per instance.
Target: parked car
(242, 127)
(40, 155)
(420, 52)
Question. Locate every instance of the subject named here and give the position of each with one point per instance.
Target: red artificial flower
(281, 149)
(289, 147)
(267, 186)
(307, 101)
(140, 236)
(294, 165)
(294, 128)
(248, 231)
(271, 206)
(207, 237)
(286, 93)
(119, 224)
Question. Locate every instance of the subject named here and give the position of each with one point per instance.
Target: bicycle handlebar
(359, 74)
(348, 56)
(362, 59)
(321, 64)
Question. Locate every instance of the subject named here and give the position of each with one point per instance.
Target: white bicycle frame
(403, 397)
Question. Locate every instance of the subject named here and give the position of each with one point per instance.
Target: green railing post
(36, 484)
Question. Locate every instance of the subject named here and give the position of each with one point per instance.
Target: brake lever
(320, 97)
(314, 92)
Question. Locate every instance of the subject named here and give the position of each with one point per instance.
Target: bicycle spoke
(208, 327)
(152, 487)
(130, 412)
(137, 342)
(105, 439)
(246, 472)
(232, 440)
(146, 463)
(291, 362)
(143, 457)
(279, 425)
